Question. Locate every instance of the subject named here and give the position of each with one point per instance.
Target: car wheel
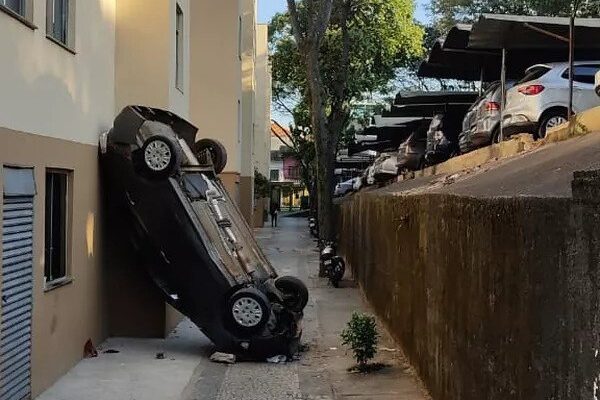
(161, 157)
(551, 120)
(295, 293)
(249, 310)
(217, 152)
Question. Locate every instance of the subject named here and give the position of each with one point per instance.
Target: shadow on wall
(490, 298)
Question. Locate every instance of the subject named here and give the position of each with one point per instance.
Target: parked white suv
(540, 100)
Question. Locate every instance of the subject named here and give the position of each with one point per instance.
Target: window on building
(274, 175)
(20, 9)
(179, 49)
(59, 21)
(16, 6)
(56, 225)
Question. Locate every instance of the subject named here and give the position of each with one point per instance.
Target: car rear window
(534, 73)
(583, 73)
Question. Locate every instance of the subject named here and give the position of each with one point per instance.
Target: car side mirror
(597, 83)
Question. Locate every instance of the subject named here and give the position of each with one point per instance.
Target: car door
(584, 96)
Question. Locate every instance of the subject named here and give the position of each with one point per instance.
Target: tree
(327, 54)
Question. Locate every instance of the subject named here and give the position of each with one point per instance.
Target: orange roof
(278, 130)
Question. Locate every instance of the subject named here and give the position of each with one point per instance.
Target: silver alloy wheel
(555, 121)
(157, 155)
(247, 312)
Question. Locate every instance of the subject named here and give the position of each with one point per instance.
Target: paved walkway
(186, 373)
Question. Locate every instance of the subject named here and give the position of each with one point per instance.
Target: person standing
(274, 211)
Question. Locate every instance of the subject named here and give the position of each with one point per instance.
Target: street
(186, 373)
(322, 371)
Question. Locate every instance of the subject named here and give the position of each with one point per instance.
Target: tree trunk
(324, 153)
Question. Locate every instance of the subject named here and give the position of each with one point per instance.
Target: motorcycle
(333, 264)
(312, 225)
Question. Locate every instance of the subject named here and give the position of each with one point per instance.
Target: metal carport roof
(473, 52)
(498, 31)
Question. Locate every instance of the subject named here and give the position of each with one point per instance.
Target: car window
(534, 73)
(583, 73)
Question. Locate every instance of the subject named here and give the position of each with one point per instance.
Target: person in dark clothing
(274, 211)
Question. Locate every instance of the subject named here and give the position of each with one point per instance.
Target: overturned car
(192, 239)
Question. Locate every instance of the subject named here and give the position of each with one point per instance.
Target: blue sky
(267, 8)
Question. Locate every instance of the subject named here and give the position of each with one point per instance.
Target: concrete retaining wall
(489, 298)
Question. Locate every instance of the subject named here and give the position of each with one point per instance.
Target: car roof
(553, 65)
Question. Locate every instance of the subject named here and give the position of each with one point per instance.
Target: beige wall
(248, 39)
(65, 317)
(47, 90)
(262, 132)
(145, 55)
(215, 73)
(54, 104)
(145, 74)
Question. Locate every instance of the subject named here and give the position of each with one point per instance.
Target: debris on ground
(111, 351)
(224, 358)
(277, 359)
(387, 349)
(89, 350)
(160, 356)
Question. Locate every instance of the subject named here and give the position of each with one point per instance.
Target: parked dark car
(411, 153)
(442, 137)
(192, 239)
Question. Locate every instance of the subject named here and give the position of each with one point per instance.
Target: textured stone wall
(489, 298)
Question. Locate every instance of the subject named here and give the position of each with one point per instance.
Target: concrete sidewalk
(186, 373)
(135, 372)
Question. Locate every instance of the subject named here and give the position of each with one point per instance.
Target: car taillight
(492, 106)
(531, 90)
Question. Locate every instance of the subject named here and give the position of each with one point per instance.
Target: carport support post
(503, 98)
(571, 58)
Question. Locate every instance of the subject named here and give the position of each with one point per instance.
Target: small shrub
(361, 336)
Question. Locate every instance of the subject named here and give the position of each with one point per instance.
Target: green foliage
(382, 36)
(362, 337)
(262, 186)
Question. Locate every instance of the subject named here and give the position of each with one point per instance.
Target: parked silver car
(540, 100)
(481, 125)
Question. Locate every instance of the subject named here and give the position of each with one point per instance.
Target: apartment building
(262, 122)
(68, 68)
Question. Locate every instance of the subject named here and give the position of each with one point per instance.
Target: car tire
(160, 157)
(217, 151)
(295, 292)
(248, 310)
(551, 119)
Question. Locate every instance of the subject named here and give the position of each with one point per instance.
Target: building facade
(68, 68)
(288, 191)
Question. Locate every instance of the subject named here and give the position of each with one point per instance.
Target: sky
(268, 8)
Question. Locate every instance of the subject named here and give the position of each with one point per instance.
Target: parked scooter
(314, 228)
(335, 266)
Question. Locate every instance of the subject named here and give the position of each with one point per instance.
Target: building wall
(55, 103)
(145, 74)
(49, 91)
(262, 132)
(248, 39)
(215, 73)
(145, 55)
